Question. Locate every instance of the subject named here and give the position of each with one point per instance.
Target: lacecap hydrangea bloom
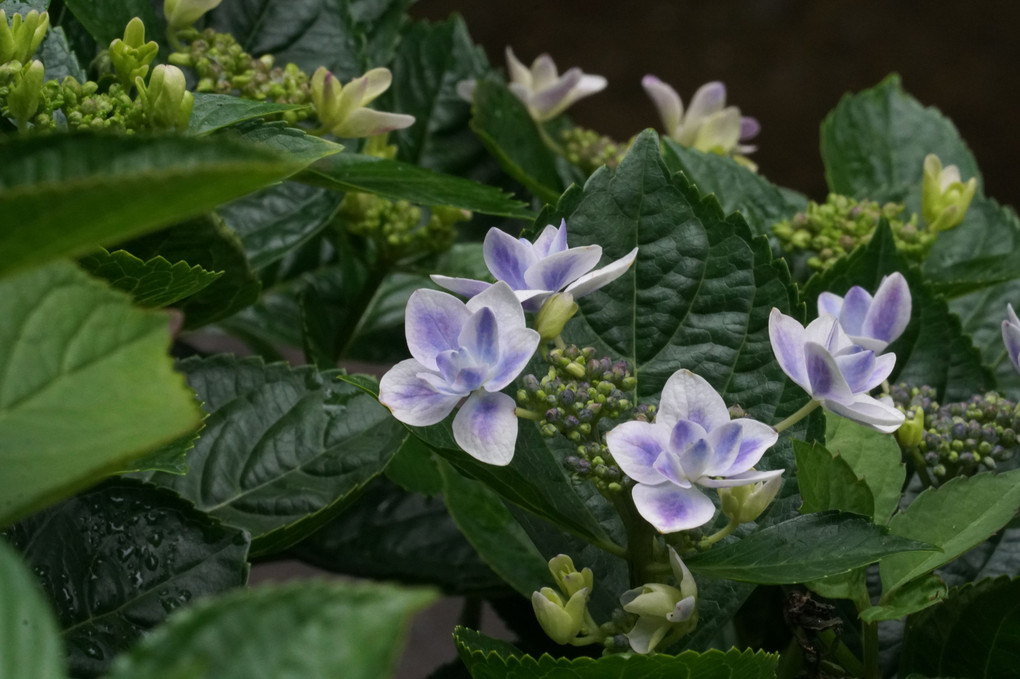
(541, 88)
(462, 351)
(535, 271)
(1011, 336)
(871, 322)
(692, 442)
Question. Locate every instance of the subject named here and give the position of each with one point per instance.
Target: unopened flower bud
(911, 432)
(131, 55)
(568, 578)
(166, 101)
(183, 13)
(23, 95)
(746, 503)
(554, 314)
(562, 622)
(343, 108)
(20, 38)
(945, 197)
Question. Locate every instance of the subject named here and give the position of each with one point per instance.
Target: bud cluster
(223, 67)
(589, 150)
(837, 226)
(399, 227)
(961, 438)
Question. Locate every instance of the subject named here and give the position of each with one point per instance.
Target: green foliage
(105, 21)
(216, 111)
(87, 386)
(312, 630)
(827, 481)
(29, 638)
(143, 553)
(874, 458)
(915, 596)
(154, 283)
(56, 55)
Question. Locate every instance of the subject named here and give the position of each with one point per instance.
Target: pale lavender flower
(343, 109)
(1011, 336)
(534, 271)
(692, 441)
(837, 373)
(708, 125)
(543, 90)
(871, 322)
(462, 350)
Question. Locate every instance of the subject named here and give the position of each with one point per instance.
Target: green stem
(640, 541)
(797, 416)
(355, 316)
(716, 537)
(843, 655)
(550, 142)
(558, 341)
(869, 635)
(920, 467)
(526, 414)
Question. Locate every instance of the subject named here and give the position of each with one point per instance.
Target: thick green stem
(869, 635)
(797, 416)
(919, 466)
(843, 655)
(640, 541)
(719, 535)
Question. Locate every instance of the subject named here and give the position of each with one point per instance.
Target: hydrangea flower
(944, 196)
(342, 108)
(1011, 336)
(462, 350)
(692, 441)
(662, 609)
(871, 322)
(534, 271)
(543, 90)
(708, 125)
(837, 373)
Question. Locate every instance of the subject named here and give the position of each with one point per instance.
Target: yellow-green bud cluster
(400, 228)
(961, 438)
(590, 150)
(223, 67)
(829, 230)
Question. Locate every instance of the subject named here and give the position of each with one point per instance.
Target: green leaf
(215, 111)
(400, 181)
(106, 20)
(12, 7)
(505, 127)
(207, 242)
(933, 349)
(284, 450)
(974, 633)
(954, 517)
(278, 137)
(156, 283)
(118, 558)
(494, 532)
(875, 459)
(393, 534)
(87, 386)
(57, 57)
(874, 142)
(171, 458)
(414, 469)
(492, 659)
(28, 631)
(803, 549)
(312, 630)
(827, 481)
(276, 220)
(915, 596)
(982, 314)
(382, 24)
(738, 188)
(67, 194)
(431, 60)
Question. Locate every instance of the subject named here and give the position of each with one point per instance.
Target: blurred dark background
(785, 62)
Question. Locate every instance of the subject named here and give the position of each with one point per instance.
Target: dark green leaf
(396, 535)
(57, 57)
(414, 468)
(911, 598)
(494, 532)
(401, 181)
(492, 659)
(382, 23)
(803, 549)
(954, 517)
(874, 142)
(827, 481)
(933, 349)
(23, 7)
(875, 459)
(278, 137)
(284, 450)
(106, 19)
(66, 194)
(29, 635)
(275, 220)
(718, 602)
(117, 559)
(171, 458)
(215, 111)
(206, 242)
(155, 283)
(737, 188)
(506, 128)
(982, 314)
(431, 60)
(87, 386)
(310, 630)
(974, 633)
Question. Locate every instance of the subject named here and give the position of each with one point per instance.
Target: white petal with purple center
(433, 321)
(558, 269)
(687, 396)
(636, 446)
(507, 257)
(670, 508)
(411, 399)
(591, 282)
(890, 310)
(486, 427)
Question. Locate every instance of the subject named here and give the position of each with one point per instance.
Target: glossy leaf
(278, 137)
(87, 386)
(215, 111)
(827, 481)
(803, 549)
(974, 633)
(916, 596)
(874, 457)
(118, 558)
(284, 450)
(105, 21)
(954, 517)
(154, 283)
(313, 630)
(64, 195)
(30, 643)
(875, 141)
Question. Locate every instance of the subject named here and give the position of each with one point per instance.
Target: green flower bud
(554, 314)
(944, 196)
(661, 608)
(746, 503)
(166, 101)
(20, 38)
(23, 95)
(132, 55)
(568, 578)
(183, 13)
(911, 431)
(562, 622)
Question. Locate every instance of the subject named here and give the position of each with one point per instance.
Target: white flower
(871, 322)
(342, 108)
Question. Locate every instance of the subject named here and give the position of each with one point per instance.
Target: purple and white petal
(543, 72)
(787, 337)
(884, 365)
(465, 287)
(411, 399)
(591, 282)
(519, 73)
(726, 444)
(695, 460)
(708, 99)
(749, 128)
(685, 433)
(687, 396)
(486, 427)
(857, 368)
(756, 438)
(503, 303)
(432, 323)
(830, 303)
(670, 508)
(636, 446)
(668, 465)
(548, 101)
(890, 310)
(868, 411)
(742, 479)
(666, 100)
(480, 337)
(1011, 336)
(557, 270)
(517, 347)
(366, 122)
(507, 257)
(720, 131)
(551, 240)
(855, 310)
(827, 382)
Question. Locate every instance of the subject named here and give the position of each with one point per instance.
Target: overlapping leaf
(105, 21)
(212, 112)
(874, 457)
(154, 283)
(29, 637)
